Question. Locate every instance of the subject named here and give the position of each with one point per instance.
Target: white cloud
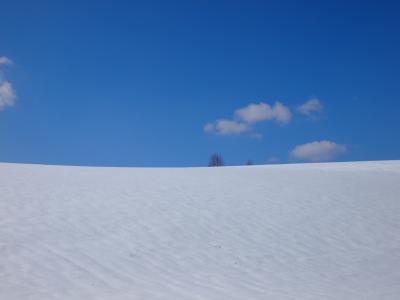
(7, 94)
(5, 61)
(311, 108)
(226, 127)
(261, 112)
(245, 117)
(317, 151)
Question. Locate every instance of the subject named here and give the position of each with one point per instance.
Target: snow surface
(307, 231)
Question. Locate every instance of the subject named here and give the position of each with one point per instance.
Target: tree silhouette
(216, 160)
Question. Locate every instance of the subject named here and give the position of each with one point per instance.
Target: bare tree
(216, 160)
(249, 162)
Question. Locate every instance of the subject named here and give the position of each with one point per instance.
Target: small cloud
(256, 135)
(317, 151)
(7, 94)
(5, 61)
(273, 160)
(311, 108)
(226, 127)
(282, 113)
(209, 127)
(261, 112)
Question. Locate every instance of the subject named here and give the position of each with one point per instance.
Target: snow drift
(307, 231)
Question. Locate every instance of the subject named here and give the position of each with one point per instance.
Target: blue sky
(167, 83)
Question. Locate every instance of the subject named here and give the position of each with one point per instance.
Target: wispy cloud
(226, 127)
(273, 160)
(256, 135)
(317, 151)
(5, 61)
(244, 118)
(311, 108)
(7, 92)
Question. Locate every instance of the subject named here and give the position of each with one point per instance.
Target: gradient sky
(125, 83)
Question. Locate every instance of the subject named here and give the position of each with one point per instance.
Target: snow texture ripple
(283, 232)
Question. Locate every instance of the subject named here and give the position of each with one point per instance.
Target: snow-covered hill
(307, 231)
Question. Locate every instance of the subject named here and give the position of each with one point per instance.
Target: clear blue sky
(125, 83)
